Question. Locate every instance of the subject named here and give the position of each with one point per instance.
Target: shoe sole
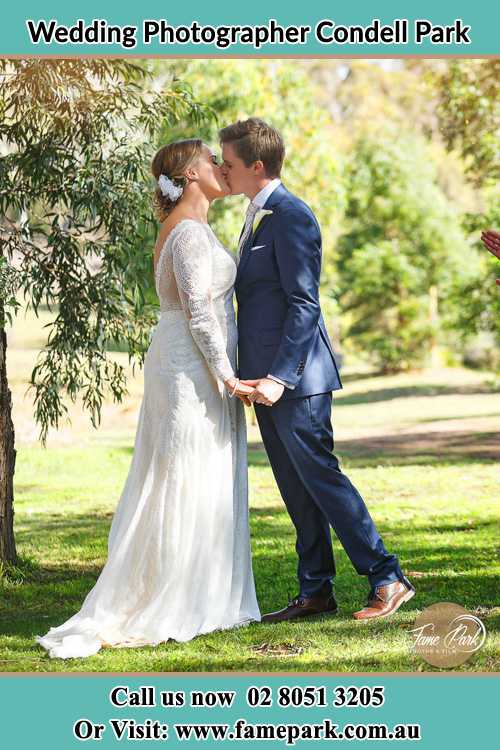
(406, 598)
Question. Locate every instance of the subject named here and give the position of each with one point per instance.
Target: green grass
(421, 448)
(440, 519)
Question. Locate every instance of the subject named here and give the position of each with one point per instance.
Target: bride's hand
(239, 389)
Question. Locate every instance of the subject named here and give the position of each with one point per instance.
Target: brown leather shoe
(302, 606)
(384, 600)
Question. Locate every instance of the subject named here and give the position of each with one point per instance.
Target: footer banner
(428, 711)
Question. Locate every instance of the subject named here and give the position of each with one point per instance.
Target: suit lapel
(245, 253)
(262, 223)
(276, 196)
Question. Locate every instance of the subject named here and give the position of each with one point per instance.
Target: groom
(285, 354)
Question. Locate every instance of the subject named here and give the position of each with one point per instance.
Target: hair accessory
(168, 188)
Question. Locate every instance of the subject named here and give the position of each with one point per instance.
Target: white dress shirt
(261, 198)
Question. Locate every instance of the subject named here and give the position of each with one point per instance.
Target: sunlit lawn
(420, 447)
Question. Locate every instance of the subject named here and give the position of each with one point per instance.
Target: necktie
(251, 211)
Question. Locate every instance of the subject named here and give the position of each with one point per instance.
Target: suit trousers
(298, 438)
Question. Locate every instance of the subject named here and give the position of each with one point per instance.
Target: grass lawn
(420, 447)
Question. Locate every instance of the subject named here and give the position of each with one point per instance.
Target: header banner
(315, 30)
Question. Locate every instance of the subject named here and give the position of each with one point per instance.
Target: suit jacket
(281, 330)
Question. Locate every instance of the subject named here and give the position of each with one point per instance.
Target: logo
(446, 635)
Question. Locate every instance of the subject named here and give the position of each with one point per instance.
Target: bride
(179, 560)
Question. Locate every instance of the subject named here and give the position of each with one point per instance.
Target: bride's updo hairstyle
(172, 161)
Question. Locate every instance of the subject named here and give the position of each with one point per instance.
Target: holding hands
(265, 391)
(237, 387)
(261, 391)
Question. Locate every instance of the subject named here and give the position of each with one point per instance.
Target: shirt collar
(261, 198)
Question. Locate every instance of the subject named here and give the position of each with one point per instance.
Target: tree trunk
(435, 359)
(7, 459)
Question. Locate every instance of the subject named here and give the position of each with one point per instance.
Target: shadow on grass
(436, 447)
(408, 449)
(167, 661)
(58, 589)
(269, 517)
(86, 526)
(293, 647)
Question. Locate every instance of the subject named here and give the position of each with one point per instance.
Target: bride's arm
(192, 263)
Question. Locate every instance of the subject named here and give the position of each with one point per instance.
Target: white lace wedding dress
(179, 560)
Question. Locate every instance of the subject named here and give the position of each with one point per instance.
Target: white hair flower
(168, 188)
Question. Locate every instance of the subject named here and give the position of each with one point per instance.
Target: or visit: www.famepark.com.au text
(291, 733)
(242, 731)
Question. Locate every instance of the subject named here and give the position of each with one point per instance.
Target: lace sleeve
(192, 264)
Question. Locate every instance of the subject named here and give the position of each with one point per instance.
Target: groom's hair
(255, 140)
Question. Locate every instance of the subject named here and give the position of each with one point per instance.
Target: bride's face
(208, 175)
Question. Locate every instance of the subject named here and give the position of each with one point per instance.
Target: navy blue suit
(281, 332)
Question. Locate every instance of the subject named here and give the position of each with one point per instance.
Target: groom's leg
(304, 426)
(316, 566)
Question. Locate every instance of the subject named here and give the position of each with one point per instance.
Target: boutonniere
(259, 216)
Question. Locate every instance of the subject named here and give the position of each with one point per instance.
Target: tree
(475, 315)
(76, 139)
(402, 248)
(468, 93)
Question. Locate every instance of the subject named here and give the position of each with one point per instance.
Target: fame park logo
(446, 635)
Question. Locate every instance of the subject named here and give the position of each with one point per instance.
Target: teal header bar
(458, 712)
(257, 29)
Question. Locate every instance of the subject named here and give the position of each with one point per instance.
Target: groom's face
(239, 177)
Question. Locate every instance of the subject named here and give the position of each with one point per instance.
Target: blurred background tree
(446, 113)
(468, 109)
(400, 252)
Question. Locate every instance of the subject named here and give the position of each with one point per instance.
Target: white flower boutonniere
(259, 216)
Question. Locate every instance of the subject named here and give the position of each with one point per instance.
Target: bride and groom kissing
(179, 560)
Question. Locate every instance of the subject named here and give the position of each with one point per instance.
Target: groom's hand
(266, 391)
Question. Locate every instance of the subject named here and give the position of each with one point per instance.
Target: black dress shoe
(303, 606)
